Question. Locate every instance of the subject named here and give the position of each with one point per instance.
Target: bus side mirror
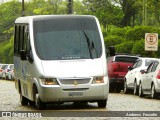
(29, 57)
(23, 55)
(112, 51)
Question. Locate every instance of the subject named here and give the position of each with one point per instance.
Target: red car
(117, 69)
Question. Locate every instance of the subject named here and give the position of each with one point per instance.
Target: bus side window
(28, 46)
(16, 39)
(21, 40)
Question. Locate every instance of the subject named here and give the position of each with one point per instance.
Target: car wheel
(40, 105)
(140, 91)
(135, 91)
(118, 90)
(102, 103)
(7, 78)
(126, 91)
(23, 100)
(153, 92)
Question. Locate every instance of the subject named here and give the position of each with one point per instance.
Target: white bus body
(60, 58)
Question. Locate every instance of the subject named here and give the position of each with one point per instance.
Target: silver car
(9, 72)
(2, 70)
(150, 81)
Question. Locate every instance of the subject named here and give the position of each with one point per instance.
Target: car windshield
(67, 38)
(125, 59)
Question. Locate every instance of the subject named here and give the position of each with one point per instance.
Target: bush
(138, 32)
(125, 47)
(113, 40)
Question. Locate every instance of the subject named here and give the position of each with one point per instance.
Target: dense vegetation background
(123, 22)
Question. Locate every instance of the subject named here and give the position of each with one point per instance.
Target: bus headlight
(97, 80)
(49, 81)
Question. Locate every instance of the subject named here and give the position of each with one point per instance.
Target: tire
(154, 94)
(126, 91)
(140, 91)
(102, 103)
(118, 90)
(32, 103)
(40, 105)
(23, 100)
(135, 91)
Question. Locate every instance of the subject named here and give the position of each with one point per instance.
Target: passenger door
(150, 75)
(133, 72)
(146, 78)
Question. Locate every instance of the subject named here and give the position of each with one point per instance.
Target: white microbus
(60, 58)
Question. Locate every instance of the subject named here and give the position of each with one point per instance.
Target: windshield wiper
(90, 46)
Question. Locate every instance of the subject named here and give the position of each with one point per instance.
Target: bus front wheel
(40, 105)
(102, 103)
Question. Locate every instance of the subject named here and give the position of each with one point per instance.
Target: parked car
(9, 72)
(150, 81)
(2, 69)
(117, 69)
(133, 76)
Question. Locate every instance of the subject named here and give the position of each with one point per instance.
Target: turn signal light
(115, 65)
(158, 75)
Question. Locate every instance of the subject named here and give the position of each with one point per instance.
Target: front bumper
(91, 92)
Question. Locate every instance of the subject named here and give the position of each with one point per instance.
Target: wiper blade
(89, 45)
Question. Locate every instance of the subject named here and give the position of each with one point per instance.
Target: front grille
(75, 81)
(76, 89)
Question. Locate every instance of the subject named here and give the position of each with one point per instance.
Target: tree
(105, 10)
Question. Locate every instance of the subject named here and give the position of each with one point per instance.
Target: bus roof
(27, 19)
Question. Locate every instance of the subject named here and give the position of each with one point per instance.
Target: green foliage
(131, 40)
(9, 11)
(113, 40)
(105, 11)
(125, 47)
(6, 54)
(138, 32)
(138, 48)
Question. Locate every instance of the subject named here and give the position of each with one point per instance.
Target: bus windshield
(67, 38)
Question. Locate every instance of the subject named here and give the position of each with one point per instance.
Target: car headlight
(97, 80)
(49, 81)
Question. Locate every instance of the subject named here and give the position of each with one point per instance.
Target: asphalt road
(118, 104)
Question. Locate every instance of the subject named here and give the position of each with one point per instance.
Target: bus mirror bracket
(29, 57)
(23, 55)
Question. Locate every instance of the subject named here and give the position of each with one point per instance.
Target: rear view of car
(117, 69)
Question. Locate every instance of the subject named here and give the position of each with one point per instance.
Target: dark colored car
(117, 69)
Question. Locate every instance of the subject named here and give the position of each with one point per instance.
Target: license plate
(72, 94)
